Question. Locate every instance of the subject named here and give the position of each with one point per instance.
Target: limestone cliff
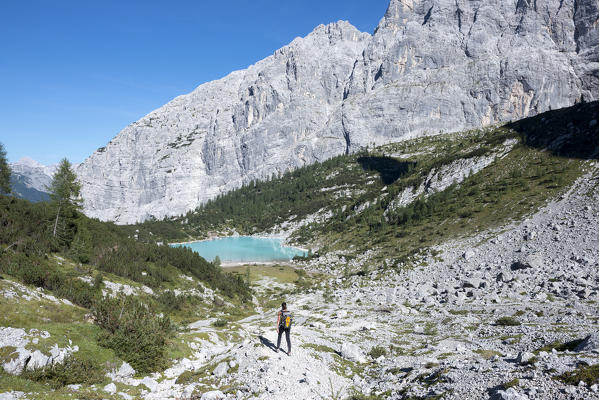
(431, 66)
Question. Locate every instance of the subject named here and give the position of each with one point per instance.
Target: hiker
(284, 320)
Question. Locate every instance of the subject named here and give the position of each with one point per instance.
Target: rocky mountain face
(431, 66)
(30, 179)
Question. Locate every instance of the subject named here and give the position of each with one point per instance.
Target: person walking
(284, 320)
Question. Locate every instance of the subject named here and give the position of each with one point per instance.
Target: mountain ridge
(430, 67)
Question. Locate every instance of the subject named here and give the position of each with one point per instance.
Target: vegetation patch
(134, 332)
(558, 346)
(588, 374)
(507, 321)
(377, 351)
(74, 371)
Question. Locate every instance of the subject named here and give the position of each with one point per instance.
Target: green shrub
(513, 383)
(220, 323)
(74, 371)
(133, 331)
(171, 301)
(588, 374)
(377, 351)
(507, 321)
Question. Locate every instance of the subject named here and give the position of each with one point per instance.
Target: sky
(73, 74)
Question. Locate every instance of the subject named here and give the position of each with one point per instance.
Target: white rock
(149, 383)
(524, 357)
(221, 369)
(214, 395)
(510, 394)
(11, 395)
(16, 366)
(110, 388)
(590, 343)
(38, 361)
(352, 352)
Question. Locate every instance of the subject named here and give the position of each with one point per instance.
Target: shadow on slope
(389, 168)
(571, 132)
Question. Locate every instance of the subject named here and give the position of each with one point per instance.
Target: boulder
(471, 283)
(509, 394)
(505, 276)
(38, 361)
(110, 388)
(125, 371)
(352, 352)
(221, 369)
(524, 357)
(17, 365)
(468, 255)
(535, 261)
(590, 343)
(214, 395)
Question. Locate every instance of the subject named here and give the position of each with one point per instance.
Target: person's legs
(279, 339)
(288, 337)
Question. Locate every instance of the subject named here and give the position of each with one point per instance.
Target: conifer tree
(4, 172)
(64, 196)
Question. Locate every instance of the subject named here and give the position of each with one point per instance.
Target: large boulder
(38, 361)
(221, 369)
(590, 343)
(352, 352)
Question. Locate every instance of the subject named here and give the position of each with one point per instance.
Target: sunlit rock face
(431, 66)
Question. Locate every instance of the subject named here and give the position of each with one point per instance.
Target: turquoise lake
(245, 249)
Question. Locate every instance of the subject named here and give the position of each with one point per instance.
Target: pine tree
(65, 198)
(4, 172)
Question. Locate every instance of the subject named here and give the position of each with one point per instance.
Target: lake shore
(212, 238)
(257, 264)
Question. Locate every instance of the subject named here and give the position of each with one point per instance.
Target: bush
(133, 331)
(73, 371)
(377, 351)
(34, 270)
(588, 374)
(220, 323)
(507, 321)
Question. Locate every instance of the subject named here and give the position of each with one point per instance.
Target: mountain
(30, 179)
(430, 66)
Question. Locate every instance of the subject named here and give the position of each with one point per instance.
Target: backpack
(286, 320)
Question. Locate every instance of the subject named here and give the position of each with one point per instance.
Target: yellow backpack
(286, 320)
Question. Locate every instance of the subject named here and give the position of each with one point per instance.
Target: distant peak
(335, 29)
(29, 162)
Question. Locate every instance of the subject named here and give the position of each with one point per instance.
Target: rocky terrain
(430, 66)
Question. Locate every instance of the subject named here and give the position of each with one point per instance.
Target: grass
(319, 348)
(513, 383)
(588, 374)
(282, 274)
(558, 346)
(488, 354)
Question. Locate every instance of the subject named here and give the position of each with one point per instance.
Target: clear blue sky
(74, 73)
